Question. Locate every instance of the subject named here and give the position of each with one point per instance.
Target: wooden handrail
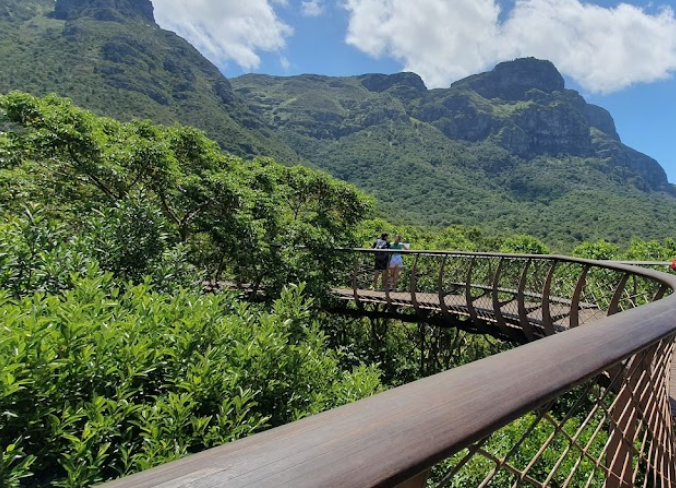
(392, 437)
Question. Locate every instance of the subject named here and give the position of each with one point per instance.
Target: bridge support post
(418, 481)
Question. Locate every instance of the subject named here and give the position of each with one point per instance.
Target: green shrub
(100, 382)
(36, 255)
(524, 244)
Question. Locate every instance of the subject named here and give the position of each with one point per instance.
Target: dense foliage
(113, 358)
(151, 190)
(98, 382)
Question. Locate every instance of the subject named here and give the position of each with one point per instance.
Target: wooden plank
(457, 305)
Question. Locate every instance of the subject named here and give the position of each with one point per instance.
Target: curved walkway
(588, 407)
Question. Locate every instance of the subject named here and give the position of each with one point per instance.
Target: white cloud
(312, 8)
(226, 30)
(440, 40)
(603, 49)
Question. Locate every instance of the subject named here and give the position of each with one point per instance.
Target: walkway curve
(588, 405)
(515, 297)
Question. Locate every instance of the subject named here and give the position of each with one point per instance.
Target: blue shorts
(397, 261)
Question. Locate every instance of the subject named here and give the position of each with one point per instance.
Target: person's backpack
(382, 244)
(673, 265)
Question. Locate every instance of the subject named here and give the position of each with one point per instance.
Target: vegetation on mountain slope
(511, 151)
(119, 63)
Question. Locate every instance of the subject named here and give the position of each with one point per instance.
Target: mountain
(511, 150)
(111, 57)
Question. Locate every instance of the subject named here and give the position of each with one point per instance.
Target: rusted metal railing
(588, 407)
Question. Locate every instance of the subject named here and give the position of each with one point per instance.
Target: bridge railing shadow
(586, 404)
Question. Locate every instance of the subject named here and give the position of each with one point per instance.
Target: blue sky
(619, 55)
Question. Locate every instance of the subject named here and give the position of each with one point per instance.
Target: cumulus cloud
(440, 40)
(226, 30)
(312, 8)
(603, 49)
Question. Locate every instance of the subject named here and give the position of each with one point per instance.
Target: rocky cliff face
(601, 119)
(522, 106)
(515, 80)
(106, 10)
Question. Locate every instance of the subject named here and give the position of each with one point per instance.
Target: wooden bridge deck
(457, 305)
(483, 306)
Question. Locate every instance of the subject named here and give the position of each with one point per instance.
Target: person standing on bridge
(396, 262)
(381, 260)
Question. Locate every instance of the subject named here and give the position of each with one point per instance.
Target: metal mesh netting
(612, 430)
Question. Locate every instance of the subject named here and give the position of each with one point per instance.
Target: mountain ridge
(510, 149)
(521, 106)
(108, 56)
(105, 10)
(537, 159)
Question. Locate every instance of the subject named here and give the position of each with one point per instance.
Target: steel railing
(520, 297)
(588, 407)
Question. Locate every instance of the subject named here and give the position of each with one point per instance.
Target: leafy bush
(101, 382)
(523, 244)
(36, 255)
(596, 250)
(152, 187)
(126, 237)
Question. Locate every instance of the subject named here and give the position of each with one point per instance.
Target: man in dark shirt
(381, 260)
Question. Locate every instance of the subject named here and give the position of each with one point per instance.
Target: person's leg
(379, 267)
(395, 275)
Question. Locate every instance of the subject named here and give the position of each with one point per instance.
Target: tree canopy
(251, 221)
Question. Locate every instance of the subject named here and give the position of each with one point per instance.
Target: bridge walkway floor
(457, 305)
(483, 306)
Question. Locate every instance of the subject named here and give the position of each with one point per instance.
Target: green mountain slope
(510, 150)
(111, 57)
